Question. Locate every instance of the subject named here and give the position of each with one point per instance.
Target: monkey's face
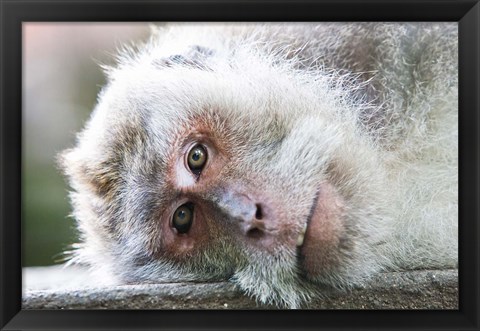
(246, 172)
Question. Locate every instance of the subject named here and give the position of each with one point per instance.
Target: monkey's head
(226, 163)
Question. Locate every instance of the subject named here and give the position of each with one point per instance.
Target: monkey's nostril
(258, 213)
(254, 233)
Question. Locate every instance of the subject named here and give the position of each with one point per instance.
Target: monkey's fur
(350, 126)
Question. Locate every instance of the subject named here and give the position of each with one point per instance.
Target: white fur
(371, 108)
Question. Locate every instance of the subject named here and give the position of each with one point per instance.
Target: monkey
(287, 158)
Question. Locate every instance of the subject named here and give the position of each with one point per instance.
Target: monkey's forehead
(162, 97)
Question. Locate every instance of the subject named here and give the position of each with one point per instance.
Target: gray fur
(369, 107)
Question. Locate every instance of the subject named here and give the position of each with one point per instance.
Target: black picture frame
(14, 12)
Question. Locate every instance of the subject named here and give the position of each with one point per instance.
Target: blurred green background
(61, 79)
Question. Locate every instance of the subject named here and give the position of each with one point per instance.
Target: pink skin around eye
(184, 186)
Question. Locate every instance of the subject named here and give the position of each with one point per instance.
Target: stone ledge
(68, 289)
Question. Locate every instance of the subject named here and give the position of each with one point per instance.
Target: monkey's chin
(322, 234)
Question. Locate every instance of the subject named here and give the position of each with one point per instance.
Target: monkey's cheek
(319, 253)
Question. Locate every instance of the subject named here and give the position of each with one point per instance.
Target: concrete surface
(70, 288)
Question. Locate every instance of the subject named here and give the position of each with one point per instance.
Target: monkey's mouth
(318, 241)
(301, 235)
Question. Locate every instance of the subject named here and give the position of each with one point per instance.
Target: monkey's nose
(258, 213)
(255, 228)
(245, 210)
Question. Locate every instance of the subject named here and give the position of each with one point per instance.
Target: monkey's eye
(197, 157)
(183, 218)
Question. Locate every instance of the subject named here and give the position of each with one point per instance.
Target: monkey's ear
(195, 56)
(97, 176)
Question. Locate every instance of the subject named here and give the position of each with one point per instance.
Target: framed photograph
(281, 165)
